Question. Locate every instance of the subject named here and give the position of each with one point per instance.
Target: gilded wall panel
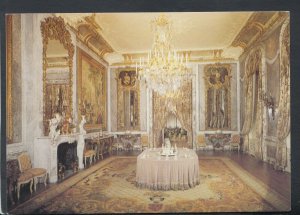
(14, 79)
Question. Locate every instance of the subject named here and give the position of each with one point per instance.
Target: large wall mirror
(128, 100)
(58, 52)
(218, 96)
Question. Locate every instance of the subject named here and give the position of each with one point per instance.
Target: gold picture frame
(218, 78)
(92, 92)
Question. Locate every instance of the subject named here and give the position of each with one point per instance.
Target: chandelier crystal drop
(164, 70)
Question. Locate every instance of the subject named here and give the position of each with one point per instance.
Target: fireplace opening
(67, 160)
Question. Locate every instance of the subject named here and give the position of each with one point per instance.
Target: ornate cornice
(257, 25)
(195, 56)
(89, 32)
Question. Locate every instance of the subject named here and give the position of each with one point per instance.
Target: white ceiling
(131, 32)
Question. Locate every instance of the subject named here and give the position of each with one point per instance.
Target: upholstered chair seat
(37, 171)
(25, 176)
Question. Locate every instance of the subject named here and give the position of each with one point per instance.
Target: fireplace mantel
(45, 152)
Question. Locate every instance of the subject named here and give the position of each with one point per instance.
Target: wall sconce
(269, 102)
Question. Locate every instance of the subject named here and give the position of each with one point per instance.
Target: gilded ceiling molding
(195, 56)
(89, 32)
(257, 25)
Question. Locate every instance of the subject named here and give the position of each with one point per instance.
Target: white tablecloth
(165, 173)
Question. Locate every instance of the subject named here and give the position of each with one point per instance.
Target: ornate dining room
(169, 112)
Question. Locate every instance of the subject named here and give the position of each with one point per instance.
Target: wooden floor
(277, 180)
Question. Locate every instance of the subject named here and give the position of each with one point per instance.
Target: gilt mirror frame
(133, 85)
(216, 78)
(54, 28)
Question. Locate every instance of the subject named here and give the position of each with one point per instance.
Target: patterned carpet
(224, 186)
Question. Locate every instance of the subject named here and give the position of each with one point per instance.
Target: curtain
(248, 109)
(184, 110)
(160, 114)
(258, 122)
(252, 127)
(283, 126)
(181, 107)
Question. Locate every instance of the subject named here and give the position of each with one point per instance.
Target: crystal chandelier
(164, 70)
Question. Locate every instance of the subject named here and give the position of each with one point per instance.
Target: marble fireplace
(46, 152)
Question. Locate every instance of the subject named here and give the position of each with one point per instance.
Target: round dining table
(176, 172)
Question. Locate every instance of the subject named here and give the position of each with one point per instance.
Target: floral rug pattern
(111, 189)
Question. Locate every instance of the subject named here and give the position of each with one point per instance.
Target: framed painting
(92, 97)
(218, 96)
